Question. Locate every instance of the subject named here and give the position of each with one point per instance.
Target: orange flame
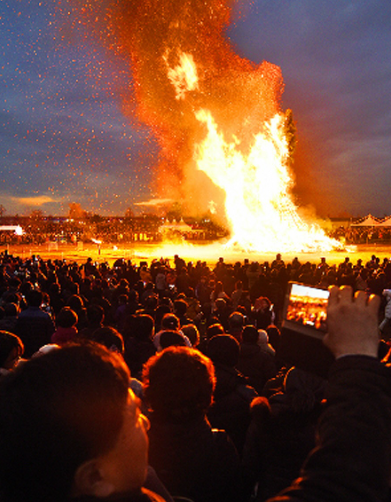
(216, 116)
(258, 204)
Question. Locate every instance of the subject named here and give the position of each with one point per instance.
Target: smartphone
(303, 327)
(305, 309)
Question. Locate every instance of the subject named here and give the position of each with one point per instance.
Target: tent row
(371, 221)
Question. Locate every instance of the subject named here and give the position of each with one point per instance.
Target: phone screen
(307, 307)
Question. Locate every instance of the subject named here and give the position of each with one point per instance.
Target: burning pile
(225, 144)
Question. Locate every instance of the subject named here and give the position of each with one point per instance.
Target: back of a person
(137, 353)
(285, 438)
(7, 324)
(189, 457)
(195, 461)
(231, 408)
(34, 326)
(256, 364)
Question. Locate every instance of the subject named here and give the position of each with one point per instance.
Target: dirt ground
(210, 253)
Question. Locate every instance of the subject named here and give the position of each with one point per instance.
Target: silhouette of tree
(76, 212)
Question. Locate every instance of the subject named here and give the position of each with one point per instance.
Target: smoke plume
(182, 62)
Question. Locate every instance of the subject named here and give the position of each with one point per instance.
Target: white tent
(386, 222)
(17, 229)
(368, 221)
(177, 226)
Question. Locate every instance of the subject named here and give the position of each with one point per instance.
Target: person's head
(70, 427)
(151, 302)
(75, 302)
(66, 318)
(223, 349)
(236, 321)
(55, 288)
(214, 329)
(262, 303)
(144, 328)
(133, 296)
(250, 335)
(122, 299)
(179, 384)
(170, 321)
(180, 308)
(221, 304)
(274, 336)
(11, 310)
(160, 312)
(110, 338)
(11, 350)
(192, 333)
(34, 298)
(95, 314)
(170, 338)
(219, 288)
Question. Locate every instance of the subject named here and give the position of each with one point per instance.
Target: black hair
(110, 338)
(144, 326)
(250, 334)
(169, 338)
(170, 321)
(179, 384)
(66, 318)
(34, 298)
(223, 349)
(180, 307)
(9, 342)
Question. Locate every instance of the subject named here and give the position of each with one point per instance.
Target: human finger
(361, 298)
(374, 303)
(345, 294)
(334, 295)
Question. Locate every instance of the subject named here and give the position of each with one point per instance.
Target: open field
(190, 252)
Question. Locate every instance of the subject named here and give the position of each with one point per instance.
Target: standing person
(192, 459)
(236, 295)
(385, 326)
(254, 362)
(233, 394)
(262, 313)
(34, 326)
(218, 292)
(66, 326)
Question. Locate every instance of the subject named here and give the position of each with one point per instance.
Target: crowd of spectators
(228, 419)
(151, 228)
(113, 230)
(361, 235)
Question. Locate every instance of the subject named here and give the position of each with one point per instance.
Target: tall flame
(224, 141)
(258, 205)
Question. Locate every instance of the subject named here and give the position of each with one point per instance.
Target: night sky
(64, 138)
